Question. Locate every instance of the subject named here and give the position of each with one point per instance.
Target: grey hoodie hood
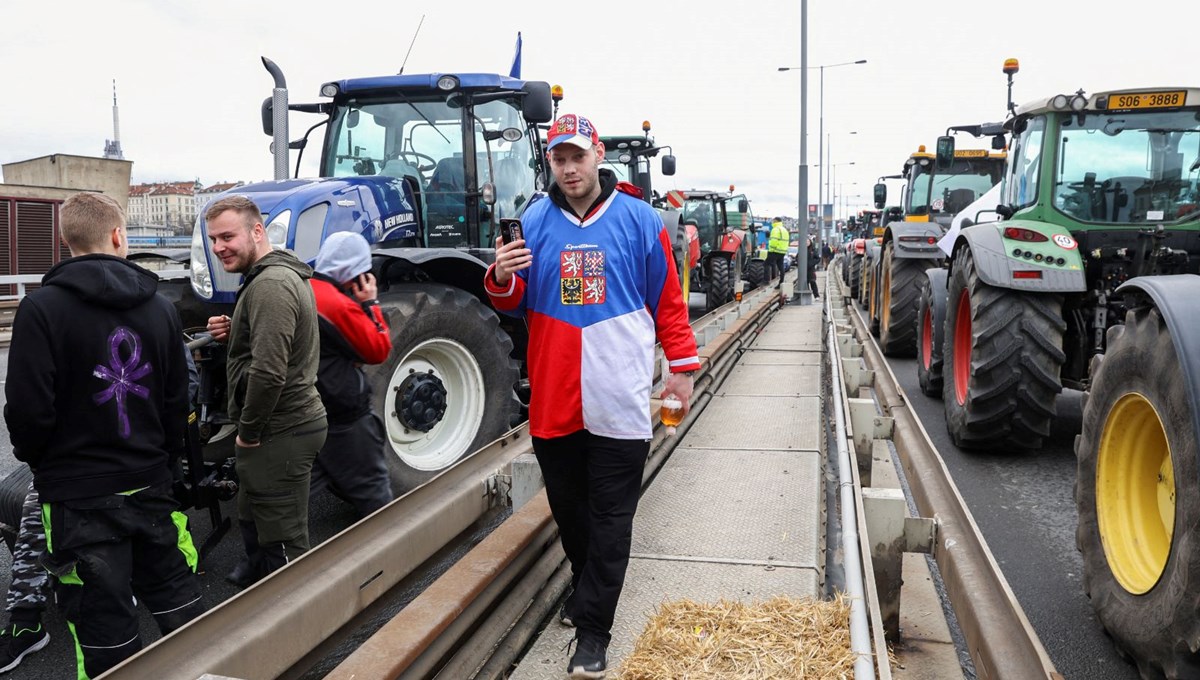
(343, 256)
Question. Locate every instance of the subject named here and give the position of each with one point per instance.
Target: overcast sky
(705, 74)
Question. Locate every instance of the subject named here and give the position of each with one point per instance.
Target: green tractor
(628, 156)
(1088, 280)
(933, 195)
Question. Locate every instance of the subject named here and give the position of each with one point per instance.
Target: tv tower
(112, 147)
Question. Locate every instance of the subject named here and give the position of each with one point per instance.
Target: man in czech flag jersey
(595, 279)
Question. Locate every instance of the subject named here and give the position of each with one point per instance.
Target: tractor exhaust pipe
(279, 119)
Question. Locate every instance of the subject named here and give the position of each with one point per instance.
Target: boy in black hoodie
(97, 405)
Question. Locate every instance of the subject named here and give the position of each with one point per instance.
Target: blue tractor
(423, 166)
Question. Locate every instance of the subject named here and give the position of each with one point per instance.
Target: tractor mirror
(536, 106)
(945, 151)
(998, 143)
(743, 205)
(668, 165)
(352, 118)
(880, 195)
(268, 117)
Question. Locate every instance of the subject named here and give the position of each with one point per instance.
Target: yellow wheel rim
(686, 283)
(1135, 493)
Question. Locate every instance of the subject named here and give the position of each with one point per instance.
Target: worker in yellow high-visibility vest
(777, 244)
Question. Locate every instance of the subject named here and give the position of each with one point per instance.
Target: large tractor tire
(853, 274)
(1137, 492)
(1003, 357)
(13, 489)
(447, 388)
(872, 299)
(899, 292)
(756, 274)
(864, 278)
(720, 282)
(930, 330)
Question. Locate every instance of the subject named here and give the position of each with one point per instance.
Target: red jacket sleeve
(365, 329)
(509, 299)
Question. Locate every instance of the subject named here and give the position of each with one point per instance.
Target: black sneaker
(17, 642)
(589, 660)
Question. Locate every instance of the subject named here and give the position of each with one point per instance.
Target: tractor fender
(444, 265)
(1177, 299)
(938, 278)
(914, 240)
(732, 240)
(995, 267)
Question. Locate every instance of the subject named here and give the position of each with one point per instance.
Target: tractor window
(511, 167)
(1129, 168)
(612, 162)
(1024, 170)
(966, 180)
(918, 185)
(420, 139)
(701, 212)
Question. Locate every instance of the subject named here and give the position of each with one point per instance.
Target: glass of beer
(671, 413)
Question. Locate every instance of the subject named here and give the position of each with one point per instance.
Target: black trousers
(103, 551)
(775, 267)
(352, 465)
(812, 282)
(593, 484)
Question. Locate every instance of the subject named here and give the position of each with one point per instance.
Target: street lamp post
(833, 194)
(821, 130)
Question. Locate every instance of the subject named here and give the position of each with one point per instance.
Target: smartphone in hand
(510, 229)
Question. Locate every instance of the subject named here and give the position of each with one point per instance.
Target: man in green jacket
(274, 350)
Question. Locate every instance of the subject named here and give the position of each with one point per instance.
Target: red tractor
(720, 237)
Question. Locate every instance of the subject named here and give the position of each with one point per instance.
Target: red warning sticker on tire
(1064, 241)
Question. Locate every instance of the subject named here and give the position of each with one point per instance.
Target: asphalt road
(1024, 505)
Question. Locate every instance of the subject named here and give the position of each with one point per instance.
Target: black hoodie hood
(608, 184)
(104, 280)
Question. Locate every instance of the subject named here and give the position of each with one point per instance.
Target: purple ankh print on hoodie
(122, 374)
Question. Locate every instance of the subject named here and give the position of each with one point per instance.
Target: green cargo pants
(273, 489)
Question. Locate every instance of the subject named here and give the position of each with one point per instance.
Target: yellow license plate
(1146, 100)
(970, 153)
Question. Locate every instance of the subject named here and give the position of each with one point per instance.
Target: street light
(821, 131)
(833, 194)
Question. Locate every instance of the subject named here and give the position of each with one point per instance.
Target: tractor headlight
(201, 276)
(329, 90)
(277, 230)
(447, 83)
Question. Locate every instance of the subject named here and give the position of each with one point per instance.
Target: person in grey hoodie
(271, 368)
(354, 331)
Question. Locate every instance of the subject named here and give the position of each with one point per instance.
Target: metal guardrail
(265, 630)
(20, 281)
(1000, 640)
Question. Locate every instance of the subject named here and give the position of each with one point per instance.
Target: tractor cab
(628, 156)
(937, 192)
(412, 161)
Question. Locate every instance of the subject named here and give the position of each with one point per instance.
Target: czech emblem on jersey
(582, 277)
